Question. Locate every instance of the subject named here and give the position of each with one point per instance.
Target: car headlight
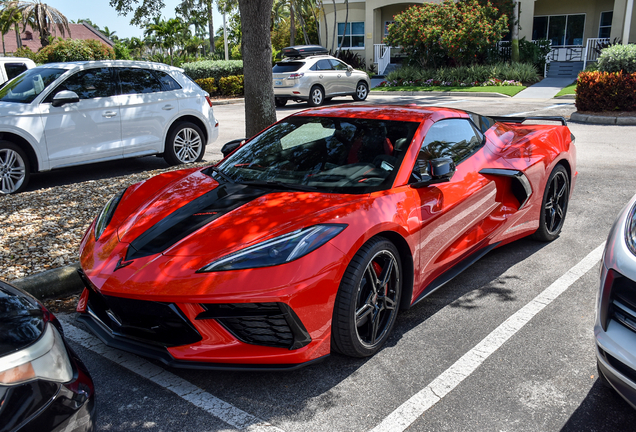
(630, 230)
(278, 250)
(45, 359)
(107, 214)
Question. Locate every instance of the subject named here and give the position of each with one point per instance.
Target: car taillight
(207, 98)
(296, 75)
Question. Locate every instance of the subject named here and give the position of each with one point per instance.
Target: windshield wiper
(280, 185)
(222, 174)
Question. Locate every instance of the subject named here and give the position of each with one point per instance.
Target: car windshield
(26, 87)
(345, 155)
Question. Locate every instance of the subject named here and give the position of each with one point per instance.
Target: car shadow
(313, 389)
(601, 410)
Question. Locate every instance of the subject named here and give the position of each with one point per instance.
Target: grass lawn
(507, 90)
(569, 90)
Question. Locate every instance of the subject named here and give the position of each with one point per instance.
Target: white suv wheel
(184, 144)
(14, 171)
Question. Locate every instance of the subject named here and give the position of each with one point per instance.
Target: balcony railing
(593, 48)
(382, 56)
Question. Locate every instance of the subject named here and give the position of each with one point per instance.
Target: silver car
(615, 328)
(316, 78)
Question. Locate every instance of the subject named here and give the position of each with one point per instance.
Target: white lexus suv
(64, 114)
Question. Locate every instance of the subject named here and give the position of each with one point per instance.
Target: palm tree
(109, 34)
(42, 18)
(194, 10)
(169, 33)
(10, 18)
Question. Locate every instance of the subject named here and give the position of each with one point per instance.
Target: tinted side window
(88, 84)
(338, 65)
(323, 65)
(135, 81)
(284, 67)
(167, 81)
(454, 138)
(14, 69)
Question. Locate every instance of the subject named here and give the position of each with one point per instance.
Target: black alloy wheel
(554, 206)
(368, 300)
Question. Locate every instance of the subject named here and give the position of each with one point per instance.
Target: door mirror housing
(439, 170)
(230, 146)
(64, 97)
(349, 68)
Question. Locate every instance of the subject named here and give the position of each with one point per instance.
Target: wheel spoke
(386, 274)
(372, 278)
(375, 326)
(363, 313)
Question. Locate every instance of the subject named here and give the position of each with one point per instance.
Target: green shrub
(208, 85)
(617, 58)
(74, 50)
(231, 85)
(25, 52)
(606, 91)
(523, 72)
(216, 69)
(122, 52)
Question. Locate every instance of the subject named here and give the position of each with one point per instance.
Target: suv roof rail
(304, 50)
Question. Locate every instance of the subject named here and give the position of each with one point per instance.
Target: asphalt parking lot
(506, 346)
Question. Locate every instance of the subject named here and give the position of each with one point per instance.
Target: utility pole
(227, 57)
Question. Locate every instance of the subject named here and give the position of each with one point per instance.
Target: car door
(327, 77)
(147, 110)
(88, 130)
(455, 216)
(345, 82)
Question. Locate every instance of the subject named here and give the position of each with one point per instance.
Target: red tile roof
(31, 38)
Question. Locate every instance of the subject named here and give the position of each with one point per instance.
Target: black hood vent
(192, 217)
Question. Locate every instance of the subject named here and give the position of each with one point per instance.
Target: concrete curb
(227, 101)
(436, 93)
(60, 281)
(604, 120)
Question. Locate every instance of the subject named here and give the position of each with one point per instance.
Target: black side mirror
(64, 97)
(230, 146)
(440, 170)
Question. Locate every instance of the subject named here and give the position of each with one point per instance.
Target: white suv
(64, 114)
(305, 76)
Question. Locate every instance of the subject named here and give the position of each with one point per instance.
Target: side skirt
(450, 274)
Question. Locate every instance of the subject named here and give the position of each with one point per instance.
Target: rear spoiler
(503, 119)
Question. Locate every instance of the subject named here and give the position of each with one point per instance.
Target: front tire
(14, 168)
(316, 96)
(185, 144)
(554, 206)
(362, 91)
(280, 102)
(368, 299)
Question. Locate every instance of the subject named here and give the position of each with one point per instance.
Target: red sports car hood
(197, 216)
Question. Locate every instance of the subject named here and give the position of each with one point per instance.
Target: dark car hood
(21, 319)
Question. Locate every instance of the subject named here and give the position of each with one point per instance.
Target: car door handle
(109, 114)
(167, 107)
(320, 76)
(339, 75)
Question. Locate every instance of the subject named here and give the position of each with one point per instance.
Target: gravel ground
(42, 229)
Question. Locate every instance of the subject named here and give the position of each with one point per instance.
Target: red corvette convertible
(311, 236)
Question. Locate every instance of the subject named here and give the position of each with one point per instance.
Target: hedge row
(227, 86)
(216, 69)
(605, 91)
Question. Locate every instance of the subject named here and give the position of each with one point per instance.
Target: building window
(354, 36)
(605, 26)
(559, 29)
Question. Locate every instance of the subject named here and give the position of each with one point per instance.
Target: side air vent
(520, 186)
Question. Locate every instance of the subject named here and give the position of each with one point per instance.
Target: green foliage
(26, 52)
(122, 52)
(353, 59)
(606, 91)
(523, 72)
(208, 85)
(618, 58)
(231, 85)
(74, 50)
(216, 69)
(431, 33)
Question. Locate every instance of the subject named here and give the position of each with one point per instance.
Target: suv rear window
(284, 67)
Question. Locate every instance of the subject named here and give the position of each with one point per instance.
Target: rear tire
(554, 206)
(280, 102)
(368, 299)
(14, 168)
(185, 144)
(316, 96)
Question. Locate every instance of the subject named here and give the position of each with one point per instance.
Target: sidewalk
(547, 88)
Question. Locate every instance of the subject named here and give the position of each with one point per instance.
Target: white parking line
(231, 415)
(407, 413)
(540, 109)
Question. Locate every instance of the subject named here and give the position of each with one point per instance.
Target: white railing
(591, 52)
(382, 56)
